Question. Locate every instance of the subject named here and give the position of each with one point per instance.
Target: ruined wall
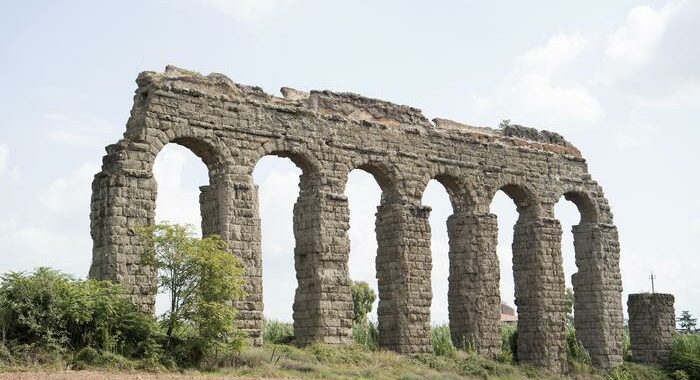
(231, 126)
(652, 324)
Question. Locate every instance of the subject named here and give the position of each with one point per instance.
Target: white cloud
(530, 94)
(244, 9)
(635, 42)
(71, 193)
(4, 153)
(559, 50)
(75, 138)
(77, 130)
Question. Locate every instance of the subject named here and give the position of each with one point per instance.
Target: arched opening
(437, 197)
(364, 196)
(507, 216)
(179, 173)
(277, 180)
(568, 216)
(578, 217)
(516, 249)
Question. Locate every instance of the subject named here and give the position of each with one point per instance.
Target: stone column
(122, 201)
(239, 227)
(323, 300)
(209, 210)
(539, 293)
(403, 274)
(473, 296)
(652, 325)
(597, 287)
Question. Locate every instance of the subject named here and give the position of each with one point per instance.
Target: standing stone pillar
(239, 227)
(403, 274)
(323, 307)
(539, 293)
(473, 295)
(122, 202)
(652, 325)
(209, 210)
(597, 287)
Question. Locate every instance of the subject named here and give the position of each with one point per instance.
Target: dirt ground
(85, 375)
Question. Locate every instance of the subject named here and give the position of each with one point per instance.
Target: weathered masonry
(231, 126)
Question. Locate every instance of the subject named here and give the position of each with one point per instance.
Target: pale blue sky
(621, 80)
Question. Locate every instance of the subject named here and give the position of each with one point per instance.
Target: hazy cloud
(634, 43)
(243, 9)
(71, 193)
(4, 153)
(532, 95)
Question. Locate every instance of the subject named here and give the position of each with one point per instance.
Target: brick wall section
(231, 126)
(652, 324)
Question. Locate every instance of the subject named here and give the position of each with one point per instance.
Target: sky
(620, 80)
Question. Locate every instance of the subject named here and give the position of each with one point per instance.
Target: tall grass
(576, 354)
(509, 344)
(366, 335)
(685, 356)
(442, 341)
(276, 332)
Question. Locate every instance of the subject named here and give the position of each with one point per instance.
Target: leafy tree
(687, 321)
(569, 305)
(362, 299)
(202, 280)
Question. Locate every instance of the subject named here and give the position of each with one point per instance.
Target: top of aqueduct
(352, 107)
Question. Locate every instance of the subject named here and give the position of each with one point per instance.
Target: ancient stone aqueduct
(327, 134)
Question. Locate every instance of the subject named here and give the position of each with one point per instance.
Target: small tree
(569, 305)
(202, 280)
(362, 299)
(687, 321)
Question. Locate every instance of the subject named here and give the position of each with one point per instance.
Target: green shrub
(442, 341)
(50, 311)
(366, 335)
(576, 354)
(685, 355)
(626, 345)
(633, 371)
(509, 344)
(275, 332)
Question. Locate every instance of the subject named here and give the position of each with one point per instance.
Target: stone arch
(204, 144)
(458, 186)
(524, 197)
(300, 155)
(593, 291)
(399, 216)
(307, 235)
(385, 173)
(538, 278)
(587, 207)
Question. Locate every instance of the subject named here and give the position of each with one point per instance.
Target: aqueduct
(231, 126)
